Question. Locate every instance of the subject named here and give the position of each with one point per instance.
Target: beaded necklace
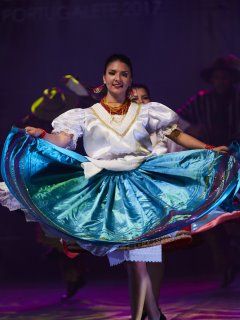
(120, 110)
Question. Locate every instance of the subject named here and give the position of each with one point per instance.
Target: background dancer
(69, 93)
(214, 115)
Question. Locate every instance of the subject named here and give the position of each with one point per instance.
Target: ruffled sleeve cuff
(71, 123)
(168, 130)
(163, 134)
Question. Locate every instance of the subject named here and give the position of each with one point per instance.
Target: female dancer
(119, 196)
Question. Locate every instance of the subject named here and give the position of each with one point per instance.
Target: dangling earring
(99, 89)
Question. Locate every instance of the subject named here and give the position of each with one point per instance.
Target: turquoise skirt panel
(114, 209)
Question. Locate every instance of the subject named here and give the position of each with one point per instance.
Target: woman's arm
(189, 142)
(61, 139)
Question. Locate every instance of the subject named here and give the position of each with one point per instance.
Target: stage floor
(181, 300)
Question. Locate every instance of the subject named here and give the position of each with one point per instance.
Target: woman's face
(117, 78)
(140, 95)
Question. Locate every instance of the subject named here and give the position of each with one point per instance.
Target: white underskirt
(149, 254)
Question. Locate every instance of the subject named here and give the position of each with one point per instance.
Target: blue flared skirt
(115, 208)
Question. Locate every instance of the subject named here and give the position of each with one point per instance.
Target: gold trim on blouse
(120, 128)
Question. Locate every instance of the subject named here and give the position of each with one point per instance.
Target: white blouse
(119, 142)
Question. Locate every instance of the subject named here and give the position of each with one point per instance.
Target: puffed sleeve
(70, 122)
(160, 119)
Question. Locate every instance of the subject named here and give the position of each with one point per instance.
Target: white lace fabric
(7, 199)
(149, 254)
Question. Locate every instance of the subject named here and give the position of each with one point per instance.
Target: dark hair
(141, 86)
(118, 57)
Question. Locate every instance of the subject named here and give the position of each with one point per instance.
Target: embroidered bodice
(108, 137)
